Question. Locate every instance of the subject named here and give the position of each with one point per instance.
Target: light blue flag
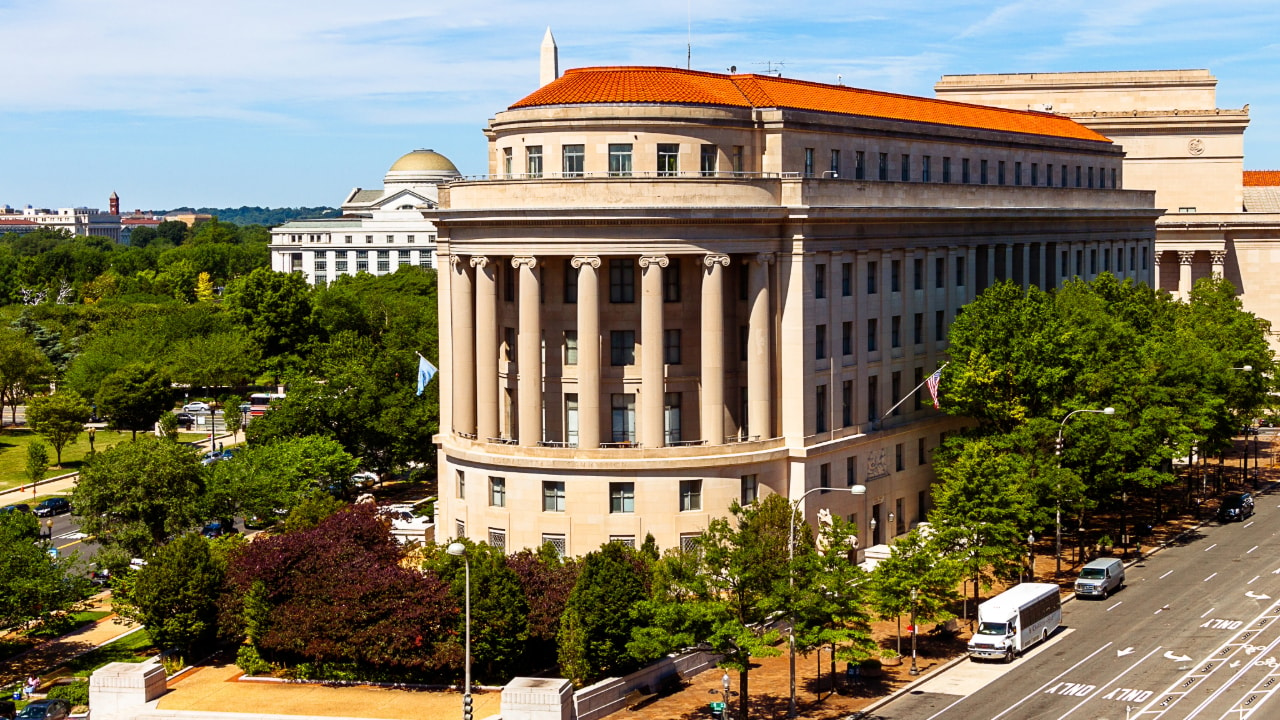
(426, 371)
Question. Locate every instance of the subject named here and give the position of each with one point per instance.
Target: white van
(1016, 619)
(1100, 578)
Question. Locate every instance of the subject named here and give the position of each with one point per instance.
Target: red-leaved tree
(546, 580)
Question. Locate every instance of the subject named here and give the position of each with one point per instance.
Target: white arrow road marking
(1176, 658)
(1250, 594)
(71, 536)
(1235, 664)
(1276, 571)
(1126, 651)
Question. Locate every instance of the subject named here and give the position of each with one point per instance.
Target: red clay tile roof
(649, 85)
(1261, 178)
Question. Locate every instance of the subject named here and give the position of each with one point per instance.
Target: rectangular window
(960, 271)
(939, 325)
(573, 158)
(917, 329)
(498, 491)
(347, 238)
(553, 496)
(846, 338)
(744, 337)
(737, 160)
(946, 169)
(384, 260)
(808, 162)
(690, 495)
(1133, 258)
(982, 172)
(460, 529)
(1144, 257)
(619, 159)
(824, 477)
(846, 403)
(835, 163)
(322, 264)
(1066, 264)
(1048, 174)
(820, 409)
(1106, 260)
(498, 539)
(1079, 262)
(917, 274)
(851, 471)
(860, 165)
(750, 489)
(898, 463)
(1035, 174)
(905, 170)
(707, 158)
(570, 283)
(846, 279)
(557, 543)
(820, 281)
(461, 484)
(533, 156)
(871, 278)
(1113, 178)
(873, 399)
(1093, 261)
(671, 346)
(409, 239)
(507, 170)
(509, 343)
(1017, 173)
(939, 273)
(508, 282)
(964, 171)
(622, 497)
(1120, 260)
(1064, 176)
(895, 276)
(1000, 172)
(668, 159)
(623, 417)
(622, 347)
(571, 419)
(883, 174)
(671, 281)
(871, 334)
(671, 417)
(1079, 177)
(895, 390)
(570, 347)
(340, 265)
(895, 331)
(321, 279)
(622, 281)
(926, 168)
(1090, 177)
(820, 342)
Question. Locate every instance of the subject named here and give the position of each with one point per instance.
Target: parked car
(218, 528)
(185, 419)
(1235, 506)
(197, 406)
(53, 506)
(18, 507)
(45, 710)
(364, 480)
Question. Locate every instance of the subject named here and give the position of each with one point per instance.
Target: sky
(286, 103)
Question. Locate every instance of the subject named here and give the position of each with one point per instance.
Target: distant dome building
(380, 229)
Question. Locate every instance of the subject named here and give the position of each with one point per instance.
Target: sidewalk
(53, 654)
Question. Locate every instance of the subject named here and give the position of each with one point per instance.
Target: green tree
(134, 397)
(137, 495)
(168, 423)
(174, 596)
(37, 461)
(311, 511)
(33, 584)
(499, 609)
(596, 624)
(263, 478)
(828, 601)
(274, 308)
(232, 417)
(25, 369)
(59, 417)
(915, 565)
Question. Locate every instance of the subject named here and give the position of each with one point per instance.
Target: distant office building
(379, 229)
(677, 290)
(83, 221)
(1219, 219)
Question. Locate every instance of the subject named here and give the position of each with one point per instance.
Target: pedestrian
(32, 683)
(219, 447)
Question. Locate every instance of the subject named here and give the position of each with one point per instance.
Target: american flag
(932, 382)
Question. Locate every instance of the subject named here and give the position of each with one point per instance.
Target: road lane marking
(1112, 680)
(1165, 575)
(73, 542)
(1250, 523)
(1206, 612)
(1113, 607)
(1211, 547)
(1254, 580)
(1209, 578)
(1255, 547)
(73, 535)
(1234, 678)
(1039, 690)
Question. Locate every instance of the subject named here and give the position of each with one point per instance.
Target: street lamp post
(915, 593)
(791, 556)
(1244, 465)
(1057, 533)
(458, 549)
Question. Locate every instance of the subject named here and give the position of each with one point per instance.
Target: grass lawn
(133, 648)
(75, 622)
(13, 453)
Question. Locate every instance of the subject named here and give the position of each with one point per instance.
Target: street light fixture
(1057, 542)
(459, 550)
(1244, 466)
(915, 593)
(791, 556)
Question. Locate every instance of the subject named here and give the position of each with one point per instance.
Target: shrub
(250, 662)
(76, 693)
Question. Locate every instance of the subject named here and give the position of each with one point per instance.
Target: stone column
(588, 351)
(760, 350)
(529, 359)
(462, 340)
(652, 380)
(1219, 259)
(1042, 277)
(486, 322)
(1185, 257)
(713, 349)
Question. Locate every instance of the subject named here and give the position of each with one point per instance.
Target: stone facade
(651, 310)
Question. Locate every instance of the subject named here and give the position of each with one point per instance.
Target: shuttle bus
(1016, 619)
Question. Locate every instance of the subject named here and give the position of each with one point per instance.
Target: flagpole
(889, 412)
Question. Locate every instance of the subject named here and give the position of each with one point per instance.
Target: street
(1193, 635)
(67, 537)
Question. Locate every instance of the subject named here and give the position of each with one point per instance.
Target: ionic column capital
(478, 261)
(1186, 256)
(453, 260)
(1156, 256)
(529, 261)
(659, 260)
(712, 261)
(764, 258)
(581, 260)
